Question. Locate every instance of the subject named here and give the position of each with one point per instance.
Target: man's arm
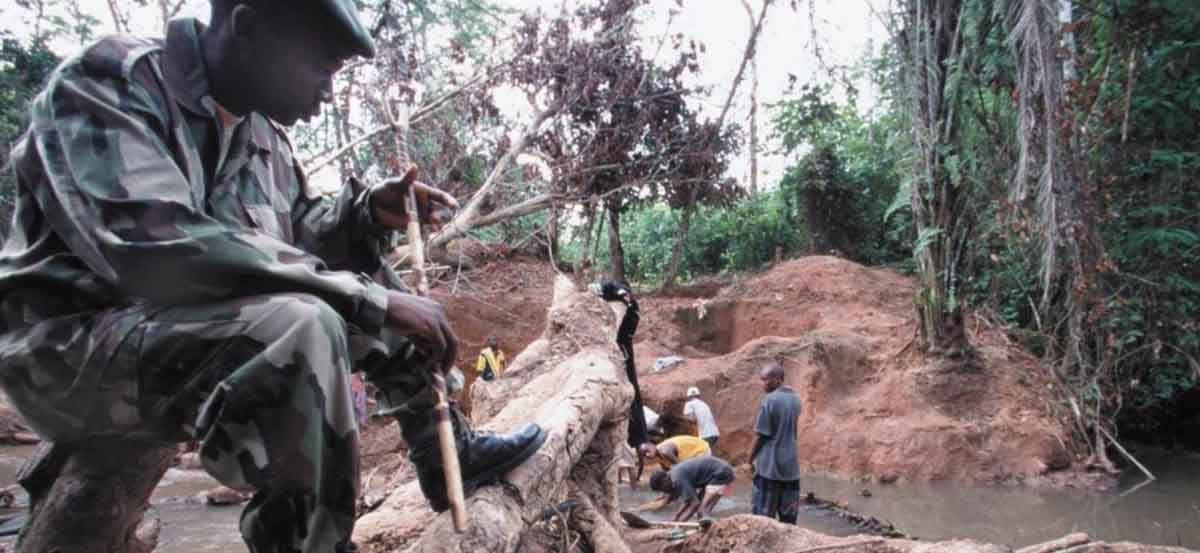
(764, 429)
(116, 197)
(669, 452)
(759, 442)
(688, 509)
(339, 229)
(689, 411)
(350, 231)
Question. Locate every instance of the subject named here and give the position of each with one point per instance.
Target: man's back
(686, 447)
(693, 475)
(777, 423)
(706, 423)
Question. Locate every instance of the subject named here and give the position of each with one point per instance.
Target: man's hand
(434, 206)
(424, 321)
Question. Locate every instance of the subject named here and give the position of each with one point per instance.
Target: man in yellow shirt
(675, 450)
(491, 361)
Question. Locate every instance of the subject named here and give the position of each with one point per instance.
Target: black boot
(483, 457)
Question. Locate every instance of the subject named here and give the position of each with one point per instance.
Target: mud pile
(874, 407)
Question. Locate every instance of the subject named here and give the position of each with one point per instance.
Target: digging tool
(415, 243)
(450, 468)
(635, 521)
(445, 431)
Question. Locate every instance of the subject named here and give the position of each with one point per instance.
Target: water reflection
(1164, 512)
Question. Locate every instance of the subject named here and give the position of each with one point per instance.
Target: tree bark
(616, 252)
(552, 232)
(685, 224)
(753, 104)
(933, 41)
(90, 497)
(815, 218)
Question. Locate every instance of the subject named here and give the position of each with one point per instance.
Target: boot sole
(494, 473)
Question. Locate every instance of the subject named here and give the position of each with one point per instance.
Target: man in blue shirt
(701, 482)
(775, 459)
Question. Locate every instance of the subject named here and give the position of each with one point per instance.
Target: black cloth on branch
(619, 291)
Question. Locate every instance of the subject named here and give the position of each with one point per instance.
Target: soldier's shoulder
(113, 56)
(281, 133)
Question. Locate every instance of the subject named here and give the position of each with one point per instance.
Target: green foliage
(845, 188)
(740, 237)
(23, 70)
(1151, 226)
(1142, 143)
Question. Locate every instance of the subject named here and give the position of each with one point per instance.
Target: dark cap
(346, 17)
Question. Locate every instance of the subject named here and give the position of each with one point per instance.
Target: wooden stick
(416, 245)
(834, 546)
(1065, 542)
(445, 431)
(400, 123)
(450, 468)
(1113, 440)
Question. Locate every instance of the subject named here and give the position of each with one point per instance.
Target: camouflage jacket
(130, 193)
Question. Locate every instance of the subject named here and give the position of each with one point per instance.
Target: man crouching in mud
(169, 276)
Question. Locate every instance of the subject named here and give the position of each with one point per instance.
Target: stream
(1164, 512)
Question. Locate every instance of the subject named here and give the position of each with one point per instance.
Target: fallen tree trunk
(91, 496)
(576, 321)
(568, 382)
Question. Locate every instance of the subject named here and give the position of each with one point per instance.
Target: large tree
(940, 41)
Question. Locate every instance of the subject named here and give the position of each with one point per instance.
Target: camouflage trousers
(262, 382)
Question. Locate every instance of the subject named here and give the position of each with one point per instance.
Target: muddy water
(189, 526)
(1165, 512)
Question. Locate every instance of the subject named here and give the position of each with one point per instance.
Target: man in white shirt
(697, 411)
(652, 420)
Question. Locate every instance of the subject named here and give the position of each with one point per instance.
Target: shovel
(635, 521)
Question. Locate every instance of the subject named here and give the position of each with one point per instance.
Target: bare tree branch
(319, 161)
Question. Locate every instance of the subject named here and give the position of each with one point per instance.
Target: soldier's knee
(308, 307)
(306, 313)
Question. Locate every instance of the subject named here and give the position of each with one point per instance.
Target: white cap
(693, 392)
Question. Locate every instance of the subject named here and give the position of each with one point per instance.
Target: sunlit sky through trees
(842, 31)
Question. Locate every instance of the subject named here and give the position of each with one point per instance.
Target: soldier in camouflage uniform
(170, 276)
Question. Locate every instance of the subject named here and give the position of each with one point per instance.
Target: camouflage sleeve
(340, 229)
(123, 206)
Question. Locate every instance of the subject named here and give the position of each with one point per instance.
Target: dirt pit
(874, 407)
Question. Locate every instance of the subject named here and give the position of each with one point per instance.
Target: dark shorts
(778, 499)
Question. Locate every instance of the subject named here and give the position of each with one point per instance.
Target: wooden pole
(415, 243)
(399, 122)
(451, 472)
(450, 468)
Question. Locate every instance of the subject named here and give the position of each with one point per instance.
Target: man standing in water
(170, 275)
(775, 460)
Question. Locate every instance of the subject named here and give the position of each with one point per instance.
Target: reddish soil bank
(874, 407)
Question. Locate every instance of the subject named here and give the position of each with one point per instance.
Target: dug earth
(875, 408)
